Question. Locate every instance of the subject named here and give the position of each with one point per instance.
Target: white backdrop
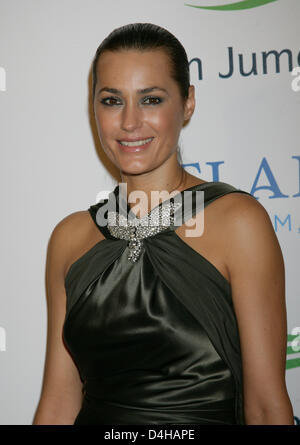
(245, 130)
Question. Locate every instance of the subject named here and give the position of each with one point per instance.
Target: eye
(153, 100)
(113, 99)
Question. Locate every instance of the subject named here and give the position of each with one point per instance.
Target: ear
(189, 105)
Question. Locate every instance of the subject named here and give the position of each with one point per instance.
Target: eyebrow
(142, 91)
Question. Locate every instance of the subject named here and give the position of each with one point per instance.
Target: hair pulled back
(143, 37)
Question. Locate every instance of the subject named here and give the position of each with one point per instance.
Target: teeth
(136, 143)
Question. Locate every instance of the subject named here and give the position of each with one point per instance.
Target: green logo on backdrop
(293, 349)
(245, 4)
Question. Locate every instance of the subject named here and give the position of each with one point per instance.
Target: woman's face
(125, 113)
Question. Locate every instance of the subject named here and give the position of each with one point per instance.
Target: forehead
(133, 66)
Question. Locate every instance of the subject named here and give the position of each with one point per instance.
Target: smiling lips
(136, 145)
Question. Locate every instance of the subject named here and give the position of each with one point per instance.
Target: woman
(153, 325)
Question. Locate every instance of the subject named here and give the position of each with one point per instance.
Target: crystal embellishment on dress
(136, 229)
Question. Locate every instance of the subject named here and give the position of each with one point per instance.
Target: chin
(131, 169)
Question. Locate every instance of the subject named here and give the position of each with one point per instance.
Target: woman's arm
(256, 268)
(61, 395)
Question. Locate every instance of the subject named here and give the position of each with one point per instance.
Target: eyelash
(103, 101)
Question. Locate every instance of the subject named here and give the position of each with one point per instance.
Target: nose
(131, 117)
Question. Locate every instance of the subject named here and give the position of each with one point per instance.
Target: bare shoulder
(243, 214)
(71, 236)
(236, 213)
(249, 240)
(72, 225)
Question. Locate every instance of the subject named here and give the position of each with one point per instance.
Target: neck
(165, 177)
(168, 177)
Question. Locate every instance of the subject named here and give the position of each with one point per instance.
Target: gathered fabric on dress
(155, 340)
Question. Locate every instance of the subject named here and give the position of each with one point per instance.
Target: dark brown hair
(147, 36)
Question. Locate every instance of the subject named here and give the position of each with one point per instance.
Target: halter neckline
(195, 186)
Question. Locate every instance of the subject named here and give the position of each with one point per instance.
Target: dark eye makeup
(154, 100)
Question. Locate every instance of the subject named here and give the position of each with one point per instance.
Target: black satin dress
(156, 341)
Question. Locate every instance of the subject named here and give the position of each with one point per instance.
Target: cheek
(166, 122)
(106, 124)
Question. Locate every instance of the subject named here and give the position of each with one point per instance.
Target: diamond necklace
(134, 230)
